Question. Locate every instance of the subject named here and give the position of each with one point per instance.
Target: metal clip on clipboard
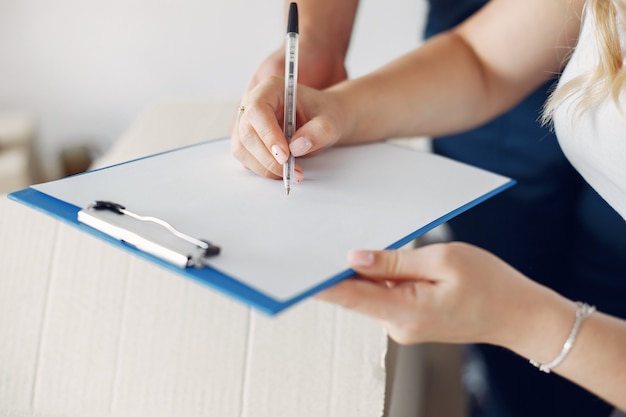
(149, 234)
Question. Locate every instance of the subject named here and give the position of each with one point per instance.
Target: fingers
(258, 141)
(374, 299)
(388, 283)
(258, 149)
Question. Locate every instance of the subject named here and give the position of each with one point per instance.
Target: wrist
(583, 310)
(350, 113)
(544, 327)
(328, 23)
(323, 44)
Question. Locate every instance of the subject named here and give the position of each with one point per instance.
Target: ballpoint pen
(291, 82)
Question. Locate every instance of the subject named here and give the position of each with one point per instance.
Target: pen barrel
(288, 170)
(291, 82)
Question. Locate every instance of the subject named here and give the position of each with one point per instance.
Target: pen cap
(292, 20)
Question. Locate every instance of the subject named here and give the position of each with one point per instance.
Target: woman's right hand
(258, 141)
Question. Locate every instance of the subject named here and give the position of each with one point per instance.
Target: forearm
(597, 360)
(437, 89)
(328, 22)
(464, 77)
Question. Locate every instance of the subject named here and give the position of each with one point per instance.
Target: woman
(455, 292)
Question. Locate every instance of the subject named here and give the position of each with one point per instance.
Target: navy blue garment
(552, 226)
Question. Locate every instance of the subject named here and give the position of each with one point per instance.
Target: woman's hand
(458, 293)
(449, 292)
(258, 141)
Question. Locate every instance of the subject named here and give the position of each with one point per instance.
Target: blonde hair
(609, 77)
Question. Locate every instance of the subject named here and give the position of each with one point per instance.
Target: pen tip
(287, 190)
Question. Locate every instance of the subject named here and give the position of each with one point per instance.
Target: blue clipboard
(275, 250)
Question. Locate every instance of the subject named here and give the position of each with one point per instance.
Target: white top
(595, 140)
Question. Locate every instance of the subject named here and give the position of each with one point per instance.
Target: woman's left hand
(449, 292)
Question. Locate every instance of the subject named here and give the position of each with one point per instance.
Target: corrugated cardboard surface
(89, 330)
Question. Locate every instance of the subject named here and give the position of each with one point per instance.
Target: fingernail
(279, 154)
(300, 146)
(298, 177)
(361, 258)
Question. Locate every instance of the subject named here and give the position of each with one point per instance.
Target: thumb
(321, 127)
(389, 265)
(314, 135)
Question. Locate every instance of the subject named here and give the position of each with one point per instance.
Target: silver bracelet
(582, 312)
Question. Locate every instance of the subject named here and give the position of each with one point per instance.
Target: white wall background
(85, 68)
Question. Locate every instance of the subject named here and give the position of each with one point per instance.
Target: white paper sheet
(369, 196)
